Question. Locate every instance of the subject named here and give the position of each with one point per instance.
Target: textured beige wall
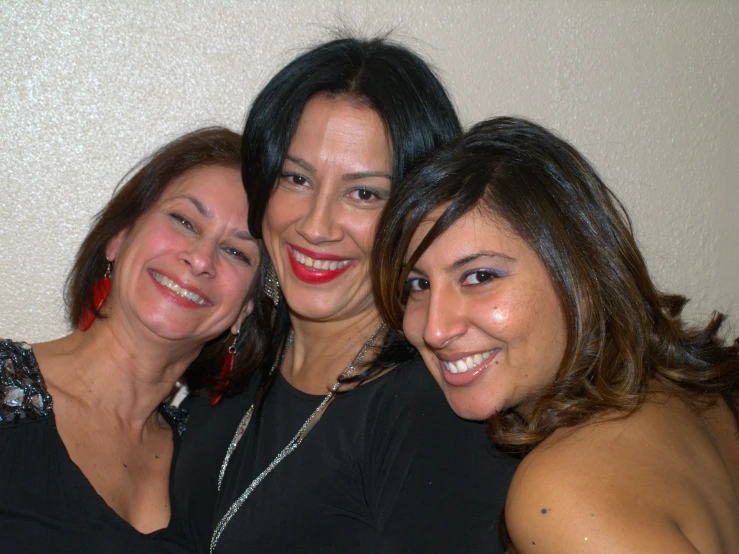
(648, 89)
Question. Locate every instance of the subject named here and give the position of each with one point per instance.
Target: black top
(388, 468)
(46, 503)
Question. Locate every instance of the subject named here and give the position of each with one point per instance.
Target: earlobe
(245, 311)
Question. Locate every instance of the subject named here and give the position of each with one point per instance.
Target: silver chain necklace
(291, 445)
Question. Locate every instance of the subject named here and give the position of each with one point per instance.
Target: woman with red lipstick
(337, 440)
(513, 269)
(160, 284)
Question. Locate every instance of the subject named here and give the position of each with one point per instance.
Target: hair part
(623, 334)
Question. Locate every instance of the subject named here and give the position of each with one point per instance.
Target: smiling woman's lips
(314, 276)
(177, 293)
(465, 378)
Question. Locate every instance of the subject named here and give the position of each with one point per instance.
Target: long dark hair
(386, 77)
(623, 334)
(211, 146)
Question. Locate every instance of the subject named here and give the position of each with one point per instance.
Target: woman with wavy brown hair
(160, 285)
(523, 288)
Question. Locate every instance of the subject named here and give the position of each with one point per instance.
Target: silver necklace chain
(291, 445)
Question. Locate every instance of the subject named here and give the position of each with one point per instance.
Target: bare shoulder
(611, 486)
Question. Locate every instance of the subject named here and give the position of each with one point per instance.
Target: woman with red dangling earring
(99, 293)
(228, 365)
(160, 286)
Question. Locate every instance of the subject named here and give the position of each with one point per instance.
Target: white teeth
(307, 261)
(470, 362)
(178, 290)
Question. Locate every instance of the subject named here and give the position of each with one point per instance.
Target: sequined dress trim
(23, 394)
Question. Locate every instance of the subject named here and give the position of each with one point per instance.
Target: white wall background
(648, 89)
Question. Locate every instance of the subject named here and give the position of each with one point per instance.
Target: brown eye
(480, 276)
(416, 284)
(293, 178)
(364, 194)
(183, 221)
(237, 254)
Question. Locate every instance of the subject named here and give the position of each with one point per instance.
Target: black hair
(384, 76)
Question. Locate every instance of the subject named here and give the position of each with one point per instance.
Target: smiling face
(320, 221)
(483, 313)
(184, 269)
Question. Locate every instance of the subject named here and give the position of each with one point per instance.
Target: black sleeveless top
(46, 503)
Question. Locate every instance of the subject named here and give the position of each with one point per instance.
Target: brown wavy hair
(624, 335)
(210, 146)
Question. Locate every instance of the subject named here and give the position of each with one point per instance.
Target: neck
(322, 351)
(107, 369)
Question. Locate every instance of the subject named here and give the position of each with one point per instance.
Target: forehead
(338, 123)
(208, 180)
(475, 231)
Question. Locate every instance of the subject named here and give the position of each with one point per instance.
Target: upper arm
(554, 508)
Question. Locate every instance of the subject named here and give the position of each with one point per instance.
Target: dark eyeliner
(494, 273)
(378, 194)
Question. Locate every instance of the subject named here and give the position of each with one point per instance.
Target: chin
(470, 408)
(170, 330)
(319, 307)
(313, 313)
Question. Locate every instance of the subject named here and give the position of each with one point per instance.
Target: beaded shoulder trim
(175, 417)
(23, 394)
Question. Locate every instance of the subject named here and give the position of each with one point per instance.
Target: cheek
(149, 243)
(238, 281)
(278, 214)
(414, 320)
(500, 314)
(362, 229)
(540, 324)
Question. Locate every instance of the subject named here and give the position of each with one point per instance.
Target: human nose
(445, 319)
(200, 256)
(319, 224)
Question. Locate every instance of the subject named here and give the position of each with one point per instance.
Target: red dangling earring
(228, 365)
(99, 293)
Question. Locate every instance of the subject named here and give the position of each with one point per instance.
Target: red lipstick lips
(312, 275)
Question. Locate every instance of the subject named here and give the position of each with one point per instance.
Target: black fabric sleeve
(435, 483)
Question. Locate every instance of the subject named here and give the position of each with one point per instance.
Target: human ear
(114, 245)
(245, 311)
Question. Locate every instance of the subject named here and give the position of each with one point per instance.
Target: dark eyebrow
(205, 211)
(348, 177)
(202, 209)
(365, 175)
(467, 259)
(244, 235)
(301, 162)
(472, 257)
